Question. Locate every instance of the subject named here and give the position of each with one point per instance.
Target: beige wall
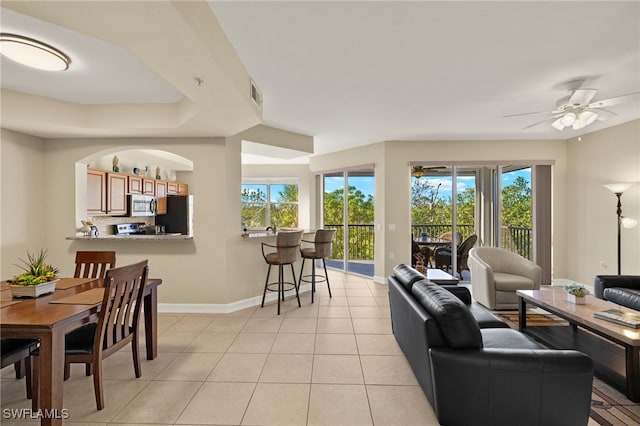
(607, 156)
(219, 267)
(193, 271)
(23, 177)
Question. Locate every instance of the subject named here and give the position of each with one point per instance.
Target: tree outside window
(269, 205)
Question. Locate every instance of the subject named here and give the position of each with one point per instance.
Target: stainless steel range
(130, 228)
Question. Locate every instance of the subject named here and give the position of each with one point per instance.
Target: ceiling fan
(577, 110)
(419, 171)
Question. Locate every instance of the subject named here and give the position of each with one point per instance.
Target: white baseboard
(379, 280)
(221, 308)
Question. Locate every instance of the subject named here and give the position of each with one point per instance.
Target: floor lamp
(626, 222)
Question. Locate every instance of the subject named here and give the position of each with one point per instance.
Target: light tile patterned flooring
(334, 362)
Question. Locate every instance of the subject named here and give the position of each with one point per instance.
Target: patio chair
(442, 255)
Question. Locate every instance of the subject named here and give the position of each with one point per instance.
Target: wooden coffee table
(614, 349)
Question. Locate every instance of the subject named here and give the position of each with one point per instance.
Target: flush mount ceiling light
(33, 53)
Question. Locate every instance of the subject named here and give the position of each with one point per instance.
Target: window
(269, 204)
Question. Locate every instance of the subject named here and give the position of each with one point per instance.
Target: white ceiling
(347, 73)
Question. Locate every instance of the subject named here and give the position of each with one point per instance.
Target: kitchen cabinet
(106, 193)
(177, 188)
(135, 185)
(161, 196)
(117, 186)
(96, 192)
(149, 186)
(140, 185)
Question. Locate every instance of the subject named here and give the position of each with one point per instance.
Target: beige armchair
(497, 273)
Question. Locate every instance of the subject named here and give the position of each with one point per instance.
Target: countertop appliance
(142, 205)
(179, 217)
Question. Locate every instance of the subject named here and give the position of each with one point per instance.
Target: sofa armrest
(600, 282)
(415, 331)
(459, 291)
(549, 387)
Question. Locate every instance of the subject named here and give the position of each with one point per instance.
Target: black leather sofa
(474, 369)
(621, 289)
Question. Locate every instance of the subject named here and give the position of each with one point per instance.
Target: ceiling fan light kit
(33, 53)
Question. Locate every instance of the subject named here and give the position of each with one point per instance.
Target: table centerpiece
(576, 293)
(37, 279)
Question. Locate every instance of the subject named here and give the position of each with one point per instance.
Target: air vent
(256, 95)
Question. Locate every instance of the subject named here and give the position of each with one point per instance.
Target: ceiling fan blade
(614, 101)
(582, 96)
(527, 113)
(540, 122)
(603, 114)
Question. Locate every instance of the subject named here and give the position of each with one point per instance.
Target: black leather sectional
(474, 369)
(621, 289)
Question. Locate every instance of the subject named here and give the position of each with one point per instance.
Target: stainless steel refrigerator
(179, 216)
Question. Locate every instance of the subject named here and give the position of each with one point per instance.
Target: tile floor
(331, 363)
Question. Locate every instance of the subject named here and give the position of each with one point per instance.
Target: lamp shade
(568, 119)
(618, 188)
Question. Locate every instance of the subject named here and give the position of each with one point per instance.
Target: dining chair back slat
(94, 264)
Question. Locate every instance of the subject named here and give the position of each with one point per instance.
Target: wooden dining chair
(17, 352)
(117, 326)
(94, 264)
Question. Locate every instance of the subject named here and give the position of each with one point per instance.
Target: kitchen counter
(136, 237)
(266, 234)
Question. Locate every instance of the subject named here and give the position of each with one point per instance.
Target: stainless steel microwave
(142, 205)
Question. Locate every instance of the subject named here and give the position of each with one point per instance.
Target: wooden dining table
(48, 318)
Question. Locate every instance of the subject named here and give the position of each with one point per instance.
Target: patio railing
(362, 237)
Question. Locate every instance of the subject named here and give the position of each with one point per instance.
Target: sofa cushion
(407, 276)
(628, 297)
(510, 282)
(507, 338)
(456, 323)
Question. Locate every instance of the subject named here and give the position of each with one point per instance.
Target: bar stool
(287, 252)
(322, 245)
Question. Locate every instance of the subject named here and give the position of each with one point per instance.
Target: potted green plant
(576, 293)
(38, 277)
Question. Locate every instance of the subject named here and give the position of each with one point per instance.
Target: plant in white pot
(576, 293)
(38, 277)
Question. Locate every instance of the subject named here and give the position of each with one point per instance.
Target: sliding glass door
(443, 209)
(353, 218)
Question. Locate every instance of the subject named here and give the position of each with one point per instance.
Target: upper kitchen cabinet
(161, 196)
(149, 186)
(106, 193)
(176, 188)
(135, 185)
(117, 185)
(96, 192)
